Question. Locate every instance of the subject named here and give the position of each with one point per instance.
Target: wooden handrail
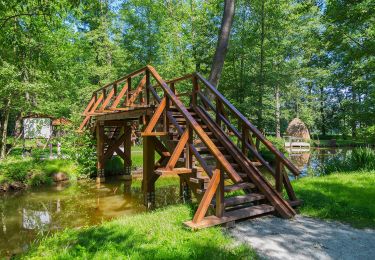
(251, 127)
(120, 80)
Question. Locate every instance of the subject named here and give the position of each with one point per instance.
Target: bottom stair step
(231, 216)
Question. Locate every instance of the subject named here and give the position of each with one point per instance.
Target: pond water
(310, 162)
(29, 215)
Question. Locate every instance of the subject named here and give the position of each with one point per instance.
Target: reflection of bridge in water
(296, 144)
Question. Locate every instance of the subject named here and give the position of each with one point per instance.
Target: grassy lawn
(156, 235)
(345, 197)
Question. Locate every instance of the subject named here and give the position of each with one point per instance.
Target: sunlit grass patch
(346, 197)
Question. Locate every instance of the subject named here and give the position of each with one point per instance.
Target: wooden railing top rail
(120, 80)
(251, 127)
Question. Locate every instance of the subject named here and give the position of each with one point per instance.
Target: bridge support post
(149, 177)
(127, 151)
(100, 152)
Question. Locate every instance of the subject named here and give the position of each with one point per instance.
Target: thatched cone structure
(297, 128)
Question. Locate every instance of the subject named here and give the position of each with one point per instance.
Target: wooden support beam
(87, 118)
(100, 152)
(127, 149)
(220, 206)
(155, 118)
(279, 176)
(106, 101)
(138, 91)
(178, 150)
(148, 171)
(119, 97)
(207, 197)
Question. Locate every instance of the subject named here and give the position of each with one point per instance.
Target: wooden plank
(231, 216)
(154, 134)
(161, 171)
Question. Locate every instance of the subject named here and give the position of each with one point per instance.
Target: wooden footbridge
(200, 136)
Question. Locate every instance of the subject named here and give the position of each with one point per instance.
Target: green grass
(156, 235)
(345, 197)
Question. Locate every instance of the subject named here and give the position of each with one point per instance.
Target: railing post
(279, 175)
(104, 94)
(114, 91)
(195, 90)
(220, 195)
(218, 111)
(128, 94)
(147, 87)
(245, 137)
(189, 154)
(165, 115)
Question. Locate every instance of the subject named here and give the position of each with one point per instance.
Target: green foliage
(156, 235)
(85, 154)
(34, 171)
(340, 196)
(357, 159)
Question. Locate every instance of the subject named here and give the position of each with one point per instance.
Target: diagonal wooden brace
(155, 118)
(178, 150)
(207, 197)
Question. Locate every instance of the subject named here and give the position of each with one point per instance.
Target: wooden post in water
(148, 171)
(127, 150)
(100, 152)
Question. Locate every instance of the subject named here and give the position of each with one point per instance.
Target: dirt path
(305, 238)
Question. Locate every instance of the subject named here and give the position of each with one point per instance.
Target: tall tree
(223, 41)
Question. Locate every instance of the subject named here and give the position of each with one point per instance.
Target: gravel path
(305, 238)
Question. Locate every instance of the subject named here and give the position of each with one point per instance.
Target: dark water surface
(309, 162)
(30, 215)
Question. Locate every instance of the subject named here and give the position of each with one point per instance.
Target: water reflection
(310, 162)
(29, 215)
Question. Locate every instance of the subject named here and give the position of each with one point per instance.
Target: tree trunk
(323, 117)
(4, 124)
(277, 111)
(261, 73)
(222, 43)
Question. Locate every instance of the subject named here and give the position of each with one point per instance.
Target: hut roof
(297, 128)
(61, 121)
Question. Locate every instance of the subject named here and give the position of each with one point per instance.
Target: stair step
(161, 171)
(234, 215)
(199, 180)
(205, 150)
(239, 186)
(241, 199)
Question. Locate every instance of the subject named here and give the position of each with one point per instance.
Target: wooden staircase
(212, 147)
